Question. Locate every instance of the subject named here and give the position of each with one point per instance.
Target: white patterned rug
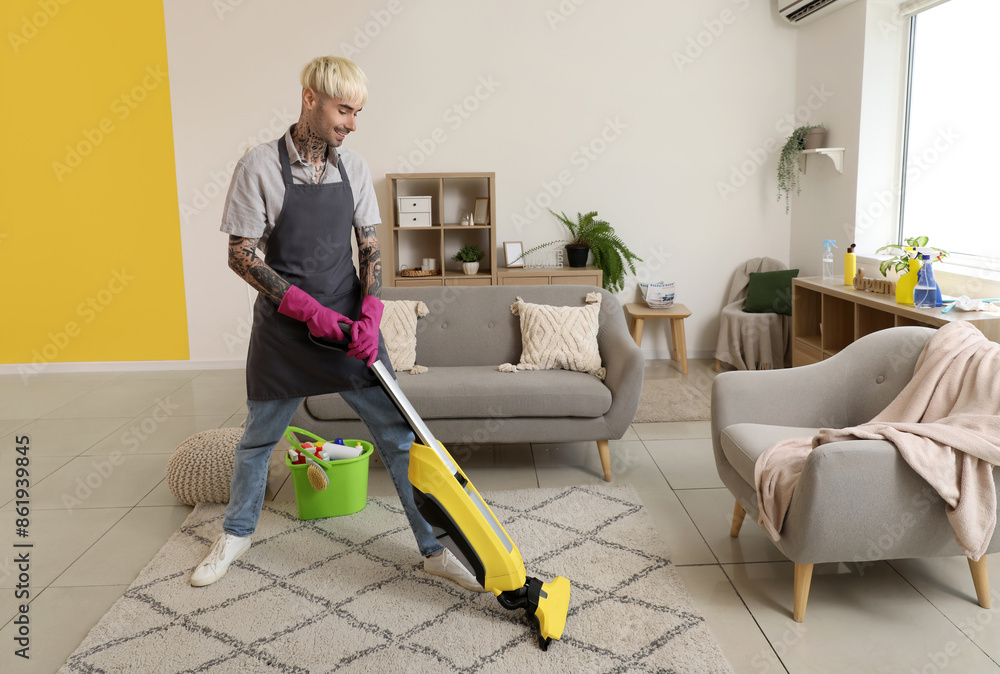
(348, 594)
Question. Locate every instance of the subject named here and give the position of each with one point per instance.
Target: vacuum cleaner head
(465, 524)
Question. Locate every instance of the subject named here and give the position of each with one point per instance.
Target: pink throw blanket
(945, 425)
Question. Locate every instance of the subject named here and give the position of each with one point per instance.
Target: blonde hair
(337, 77)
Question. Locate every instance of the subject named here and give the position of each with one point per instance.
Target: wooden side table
(636, 313)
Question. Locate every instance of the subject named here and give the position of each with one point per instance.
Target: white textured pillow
(399, 330)
(559, 338)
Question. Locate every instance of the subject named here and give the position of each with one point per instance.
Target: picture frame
(512, 250)
(481, 213)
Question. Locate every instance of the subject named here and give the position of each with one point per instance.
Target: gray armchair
(850, 494)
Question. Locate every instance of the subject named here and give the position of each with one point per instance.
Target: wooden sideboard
(517, 276)
(828, 315)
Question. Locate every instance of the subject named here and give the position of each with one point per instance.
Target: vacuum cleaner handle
(399, 399)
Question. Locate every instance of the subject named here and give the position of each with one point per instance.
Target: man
(298, 199)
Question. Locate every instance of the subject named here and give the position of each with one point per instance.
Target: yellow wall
(89, 233)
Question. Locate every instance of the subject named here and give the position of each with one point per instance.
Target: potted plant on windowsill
(804, 137)
(591, 235)
(907, 263)
(907, 252)
(469, 255)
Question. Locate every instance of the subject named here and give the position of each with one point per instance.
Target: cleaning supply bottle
(939, 302)
(908, 281)
(828, 259)
(925, 292)
(850, 265)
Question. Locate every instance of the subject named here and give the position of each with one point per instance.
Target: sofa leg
(604, 449)
(803, 579)
(718, 364)
(981, 579)
(738, 514)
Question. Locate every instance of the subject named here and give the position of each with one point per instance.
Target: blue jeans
(265, 427)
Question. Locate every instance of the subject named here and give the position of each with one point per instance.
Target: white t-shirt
(258, 190)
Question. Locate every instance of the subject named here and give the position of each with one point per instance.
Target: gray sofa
(855, 501)
(464, 399)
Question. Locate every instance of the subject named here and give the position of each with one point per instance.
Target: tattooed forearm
(369, 261)
(253, 270)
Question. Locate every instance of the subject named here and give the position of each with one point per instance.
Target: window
(951, 181)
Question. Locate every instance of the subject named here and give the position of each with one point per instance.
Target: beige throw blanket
(944, 424)
(752, 341)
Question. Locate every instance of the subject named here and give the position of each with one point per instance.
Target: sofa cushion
(559, 336)
(742, 444)
(478, 391)
(770, 292)
(399, 330)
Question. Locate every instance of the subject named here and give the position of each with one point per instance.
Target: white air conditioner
(799, 12)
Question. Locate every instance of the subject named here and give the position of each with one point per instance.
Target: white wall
(830, 59)
(689, 98)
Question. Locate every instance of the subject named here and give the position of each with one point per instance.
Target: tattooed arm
(253, 270)
(369, 260)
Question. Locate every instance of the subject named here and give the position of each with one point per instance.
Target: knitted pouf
(201, 469)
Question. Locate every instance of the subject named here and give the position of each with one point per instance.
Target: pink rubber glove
(364, 332)
(322, 322)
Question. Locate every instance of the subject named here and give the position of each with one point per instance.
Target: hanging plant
(788, 162)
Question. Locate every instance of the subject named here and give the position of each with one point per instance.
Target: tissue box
(658, 295)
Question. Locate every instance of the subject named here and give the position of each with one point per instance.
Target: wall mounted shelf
(834, 153)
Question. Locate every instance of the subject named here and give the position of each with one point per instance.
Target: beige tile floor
(101, 509)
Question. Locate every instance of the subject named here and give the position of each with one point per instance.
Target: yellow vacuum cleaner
(464, 524)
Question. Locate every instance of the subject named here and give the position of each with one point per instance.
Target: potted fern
(788, 160)
(469, 255)
(589, 234)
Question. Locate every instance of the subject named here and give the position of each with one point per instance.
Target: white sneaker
(448, 566)
(223, 553)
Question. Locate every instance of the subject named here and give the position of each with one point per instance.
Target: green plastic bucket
(348, 490)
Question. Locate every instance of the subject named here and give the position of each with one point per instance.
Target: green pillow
(770, 292)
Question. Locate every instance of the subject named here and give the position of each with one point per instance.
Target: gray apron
(310, 247)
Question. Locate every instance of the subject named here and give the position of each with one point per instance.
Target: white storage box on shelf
(414, 211)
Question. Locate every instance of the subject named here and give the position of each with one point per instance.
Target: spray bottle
(828, 259)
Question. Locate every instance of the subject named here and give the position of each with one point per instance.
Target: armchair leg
(738, 514)
(803, 579)
(718, 364)
(604, 449)
(981, 579)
